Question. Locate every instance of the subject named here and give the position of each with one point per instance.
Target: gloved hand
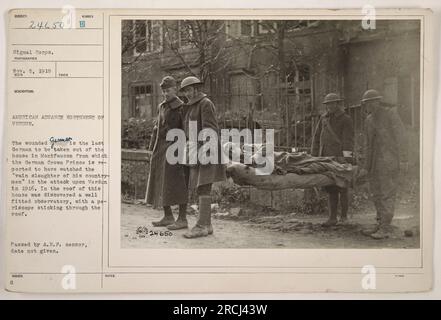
(340, 159)
(349, 160)
(347, 157)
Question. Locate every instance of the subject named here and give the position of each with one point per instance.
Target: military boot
(370, 230)
(166, 220)
(374, 227)
(332, 204)
(181, 222)
(383, 232)
(344, 204)
(203, 227)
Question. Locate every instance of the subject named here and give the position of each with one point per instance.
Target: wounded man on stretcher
(296, 170)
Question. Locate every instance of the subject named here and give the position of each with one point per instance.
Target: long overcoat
(201, 110)
(167, 183)
(385, 143)
(333, 134)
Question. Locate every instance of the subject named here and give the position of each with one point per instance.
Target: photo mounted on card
(220, 150)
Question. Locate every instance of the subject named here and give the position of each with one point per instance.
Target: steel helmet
(190, 81)
(371, 94)
(332, 97)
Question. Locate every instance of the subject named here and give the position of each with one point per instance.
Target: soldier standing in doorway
(385, 155)
(334, 137)
(202, 111)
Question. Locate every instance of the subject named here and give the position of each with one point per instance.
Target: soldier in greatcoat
(334, 137)
(201, 111)
(386, 153)
(167, 184)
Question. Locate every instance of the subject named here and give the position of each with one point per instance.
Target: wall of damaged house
(386, 59)
(245, 74)
(244, 77)
(388, 64)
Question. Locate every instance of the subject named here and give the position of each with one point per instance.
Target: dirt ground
(237, 228)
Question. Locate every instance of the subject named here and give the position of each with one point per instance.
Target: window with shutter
(238, 28)
(266, 27)
(187, 32)
(154, 36)
(293, 25)
(171, 33)
(139, 37)
(246, 28)
(141, 97)
(147, 36)
(232, 29)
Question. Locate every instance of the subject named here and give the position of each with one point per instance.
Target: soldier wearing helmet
(334, 137)
(385, 149)
(167, 185)
(202, 111)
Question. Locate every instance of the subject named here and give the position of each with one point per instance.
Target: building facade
(275, 72)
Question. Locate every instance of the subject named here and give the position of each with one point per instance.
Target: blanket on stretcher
(291, 170)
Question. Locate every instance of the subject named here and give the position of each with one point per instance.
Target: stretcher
(244, 175)
(291, 170)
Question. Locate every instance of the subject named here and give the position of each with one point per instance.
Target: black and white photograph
(327, 119)
(252, 152)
